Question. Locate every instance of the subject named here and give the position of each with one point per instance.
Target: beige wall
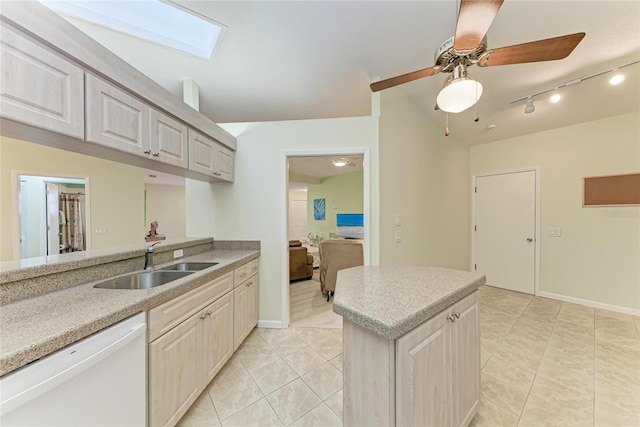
(116, 191)
(424, 177)
(597, 258)
(341, 194)
(254, 207)
(165, 204)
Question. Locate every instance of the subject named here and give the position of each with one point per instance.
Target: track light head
(529, 108)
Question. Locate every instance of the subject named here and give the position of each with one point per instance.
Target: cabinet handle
(451, 317)
(202, 316)
(156, 154)
(250, 283)
(147, 151)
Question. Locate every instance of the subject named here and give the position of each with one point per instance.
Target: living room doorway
(319, 187)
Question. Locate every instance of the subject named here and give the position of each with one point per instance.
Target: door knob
(529, 239)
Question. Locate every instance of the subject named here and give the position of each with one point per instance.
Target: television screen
(350, 226)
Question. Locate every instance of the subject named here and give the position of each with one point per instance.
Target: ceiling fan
(469, 47)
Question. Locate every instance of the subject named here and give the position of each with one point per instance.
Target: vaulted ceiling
(316, 59)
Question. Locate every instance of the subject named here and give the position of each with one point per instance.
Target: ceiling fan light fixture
(529, 108)
(340, 162)
(460, 94)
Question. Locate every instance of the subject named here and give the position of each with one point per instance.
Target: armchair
(335, 255)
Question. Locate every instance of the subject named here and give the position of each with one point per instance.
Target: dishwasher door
(98, 381)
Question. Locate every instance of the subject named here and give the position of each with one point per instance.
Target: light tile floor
(544, 362)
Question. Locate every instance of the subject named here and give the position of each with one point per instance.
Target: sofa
(300, 263)
(335, 255)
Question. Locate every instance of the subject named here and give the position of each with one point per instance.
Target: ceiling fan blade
(541, 50)
(474, 19)
(405, 78)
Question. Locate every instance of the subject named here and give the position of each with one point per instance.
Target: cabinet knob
(147, 151)
(202, 316)
(457, 315)
(156, 154)
(451, 317)
(208, 313)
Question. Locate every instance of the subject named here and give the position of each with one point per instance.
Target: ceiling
(320, 167)
(315, 59)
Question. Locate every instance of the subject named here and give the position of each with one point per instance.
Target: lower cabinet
(193, 336)
(438, 369)
(245, 301)
(428, 377)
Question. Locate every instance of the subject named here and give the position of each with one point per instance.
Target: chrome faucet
(148, 256)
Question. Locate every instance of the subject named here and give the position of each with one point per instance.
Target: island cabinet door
(423, 375)
(465, 341)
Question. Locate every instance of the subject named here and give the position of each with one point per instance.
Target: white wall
(424, 177)
(254, 207)
(116, 192)
(597, 258)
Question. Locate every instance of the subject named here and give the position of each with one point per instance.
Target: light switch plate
(398, 236)
(397, 219)
(555, 232)
(178, 253)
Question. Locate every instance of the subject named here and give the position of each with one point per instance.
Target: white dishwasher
(98, 381)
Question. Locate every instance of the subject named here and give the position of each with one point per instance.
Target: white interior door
(297, 219)
(505, 230)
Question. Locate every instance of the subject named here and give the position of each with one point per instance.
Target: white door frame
(284, 198)
(536, 169)
(15, 188)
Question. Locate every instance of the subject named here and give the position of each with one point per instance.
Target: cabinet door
(224, 163)
(253, 318)
(168, 139)
(116, 119)
(38, 87)
(175, 372)
(423, 375)
(465, 334)
(244, 304)
(217, 340)
(201, 153)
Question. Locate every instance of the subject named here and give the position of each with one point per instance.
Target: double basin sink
(151, 279)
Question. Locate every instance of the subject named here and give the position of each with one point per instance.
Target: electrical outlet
(398, 236)
(178, 253)
(397, 219)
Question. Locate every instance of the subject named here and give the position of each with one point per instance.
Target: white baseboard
(270, 324)
(589, 303)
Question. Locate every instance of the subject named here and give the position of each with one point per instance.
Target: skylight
(151, 20)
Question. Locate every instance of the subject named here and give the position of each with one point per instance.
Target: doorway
(296, 178)
(505, 229)
(52, 215)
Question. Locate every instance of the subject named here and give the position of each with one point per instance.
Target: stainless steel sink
(143, 280)
(190, 266)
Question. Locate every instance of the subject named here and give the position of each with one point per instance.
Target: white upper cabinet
(39, 88)
(116, 119)
(169, 140)
(208, 157)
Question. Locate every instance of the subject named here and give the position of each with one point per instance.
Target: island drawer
(244, 272)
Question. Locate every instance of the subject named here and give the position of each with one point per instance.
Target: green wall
(341, 194)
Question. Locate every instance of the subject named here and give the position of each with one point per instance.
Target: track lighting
(616, 79)
(529, 108)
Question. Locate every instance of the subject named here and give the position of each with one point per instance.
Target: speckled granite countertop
(34, 327)
(391, 301)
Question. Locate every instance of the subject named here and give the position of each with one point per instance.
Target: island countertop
(391, 301)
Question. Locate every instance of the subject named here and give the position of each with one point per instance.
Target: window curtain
(71, 235)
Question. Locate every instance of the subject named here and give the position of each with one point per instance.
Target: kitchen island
(411, 345)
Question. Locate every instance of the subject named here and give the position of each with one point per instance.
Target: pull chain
(446, 128)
